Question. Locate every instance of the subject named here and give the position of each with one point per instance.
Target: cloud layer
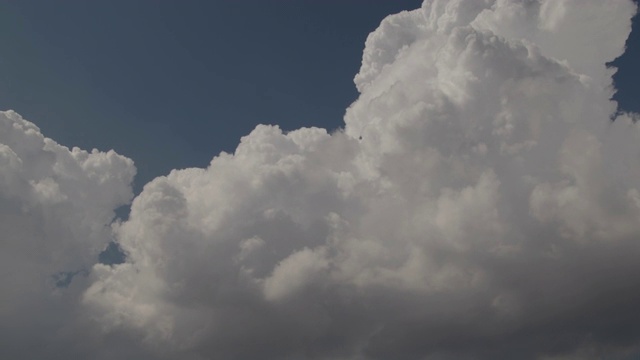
(479, 203)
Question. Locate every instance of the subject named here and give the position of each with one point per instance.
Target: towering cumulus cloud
(481, 202)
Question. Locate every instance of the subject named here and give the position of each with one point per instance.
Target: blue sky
(171, 84)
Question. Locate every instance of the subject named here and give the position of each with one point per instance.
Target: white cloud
(479, 203)
(56, 206)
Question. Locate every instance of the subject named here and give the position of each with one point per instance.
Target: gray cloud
(478, 204)
(56, 206)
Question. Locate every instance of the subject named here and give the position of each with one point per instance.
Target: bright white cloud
(479, 203)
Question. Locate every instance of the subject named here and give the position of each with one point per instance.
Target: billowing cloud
(56, 207)
(479, 203)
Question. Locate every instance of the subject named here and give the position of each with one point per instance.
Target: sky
(171, 84)
(316, 180)
(167, 84)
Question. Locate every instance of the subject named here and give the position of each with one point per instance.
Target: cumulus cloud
(479, 203)
(56, 207)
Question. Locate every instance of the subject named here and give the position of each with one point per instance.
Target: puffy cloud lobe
(479, 203)
(56, 206)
